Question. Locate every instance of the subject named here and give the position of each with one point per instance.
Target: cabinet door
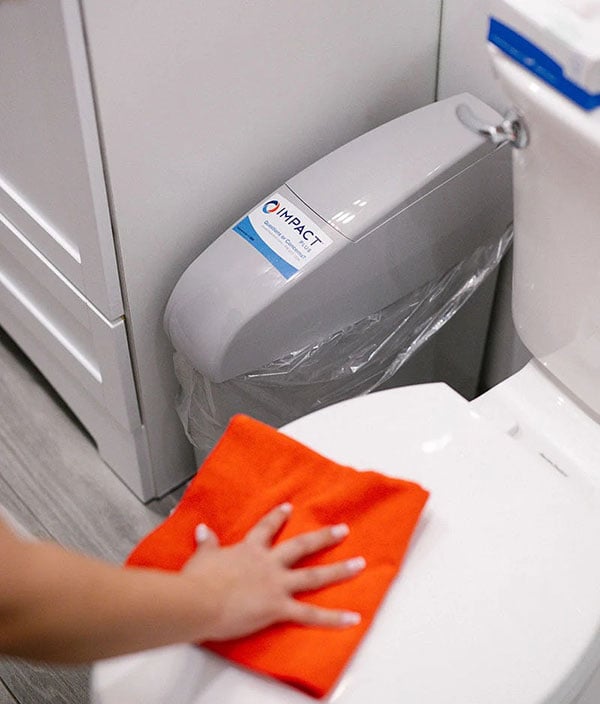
(51, 179)
(81, 353)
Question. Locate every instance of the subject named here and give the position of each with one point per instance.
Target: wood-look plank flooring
(5, 696)
(53, 482)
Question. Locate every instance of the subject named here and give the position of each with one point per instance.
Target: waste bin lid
(282, 277)
(352, 187)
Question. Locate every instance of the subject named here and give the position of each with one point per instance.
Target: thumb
(205, 537)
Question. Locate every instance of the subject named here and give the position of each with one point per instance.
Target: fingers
(268, 527)
(311, 578)
(309, 615)
(205, 538)
(290, 551)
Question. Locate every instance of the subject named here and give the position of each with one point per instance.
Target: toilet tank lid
(557, 40)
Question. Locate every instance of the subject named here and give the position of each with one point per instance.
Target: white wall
(465, 66)
(464, 63)
(204, 107)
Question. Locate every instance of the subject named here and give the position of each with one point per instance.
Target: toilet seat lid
(498, 599)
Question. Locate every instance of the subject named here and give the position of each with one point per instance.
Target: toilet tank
(556, 278)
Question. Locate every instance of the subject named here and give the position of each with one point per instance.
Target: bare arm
(59, 606)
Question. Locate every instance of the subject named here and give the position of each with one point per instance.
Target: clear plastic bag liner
(347, 363)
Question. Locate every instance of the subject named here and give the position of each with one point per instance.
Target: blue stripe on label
(245, 229)
(535, 60)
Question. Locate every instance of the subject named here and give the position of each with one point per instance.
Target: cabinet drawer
(67, 338)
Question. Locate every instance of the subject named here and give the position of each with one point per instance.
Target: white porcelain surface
(499, 597)
(545, 418)
(556, 285)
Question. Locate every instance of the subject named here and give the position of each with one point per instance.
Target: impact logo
(274, 207)
(271, 206)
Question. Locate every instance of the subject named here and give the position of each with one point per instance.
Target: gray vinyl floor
(54, 484)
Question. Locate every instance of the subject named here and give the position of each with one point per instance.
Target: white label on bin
(283, 234)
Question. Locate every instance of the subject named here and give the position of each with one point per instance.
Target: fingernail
(340, 531)
(201, 533)
(356, 564)
(286, 507)
(351, 618)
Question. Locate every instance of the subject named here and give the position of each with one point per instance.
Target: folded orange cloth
(254, 468)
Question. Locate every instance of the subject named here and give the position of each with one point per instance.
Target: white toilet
(498, 601)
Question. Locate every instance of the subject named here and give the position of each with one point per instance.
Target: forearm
(59, 606)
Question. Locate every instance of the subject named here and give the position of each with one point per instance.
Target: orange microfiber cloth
(254, 468)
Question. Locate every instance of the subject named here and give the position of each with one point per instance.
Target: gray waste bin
(332, 285)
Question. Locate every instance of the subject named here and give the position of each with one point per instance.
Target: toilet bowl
(498, 600)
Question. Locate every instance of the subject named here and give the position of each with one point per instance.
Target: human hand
(253, 582)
